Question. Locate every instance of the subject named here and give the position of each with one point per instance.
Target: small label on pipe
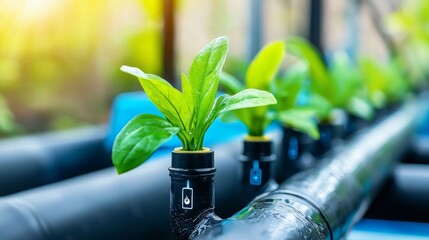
(255, 174)
(187, 198)
(293, 149)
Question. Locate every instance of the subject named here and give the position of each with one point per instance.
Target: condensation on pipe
(326, 201)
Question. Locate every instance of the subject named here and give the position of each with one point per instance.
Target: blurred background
(60, 69)
(59, 60)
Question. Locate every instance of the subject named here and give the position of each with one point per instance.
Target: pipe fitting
(257, 167)
(279, 214)
(295, 154)
(330, 136)
(354, 124)
(192, 192)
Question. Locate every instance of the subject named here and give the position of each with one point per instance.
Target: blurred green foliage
(289, 112)
(58, 59)
(385, 82)
(339, 86)
(7, 124)
(409, 28)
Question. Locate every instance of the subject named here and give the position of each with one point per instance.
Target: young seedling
(187, 114)
(286, 90)
(261, 74)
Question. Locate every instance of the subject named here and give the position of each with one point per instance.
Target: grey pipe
(28, 162)
(326, 201)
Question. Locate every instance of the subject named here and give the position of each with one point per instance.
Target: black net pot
(295, 153)
(192, 192)
(257, 163)
(331, 135)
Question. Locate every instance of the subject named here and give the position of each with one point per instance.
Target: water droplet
(187, 201)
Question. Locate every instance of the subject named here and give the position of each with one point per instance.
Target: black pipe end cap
(255, 149)
(192, 159)
(302, 137)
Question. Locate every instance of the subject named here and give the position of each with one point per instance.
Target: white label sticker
(187, 198)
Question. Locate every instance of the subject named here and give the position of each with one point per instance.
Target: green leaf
(187, 96)
(265, 65)
(286, 89)
(260, 73)
(321, 106)
(378, 99)
(229, 117)
(300, 120)
(139, 139)
(249, 98)
(231, 84)
(165, 97)
(344, 77)
(374, 78)
(204, 76)
(319, 74)
(385, 82)
(398, 87)
(360, 108)
(194, 109)
(7, 123)
(188, 113)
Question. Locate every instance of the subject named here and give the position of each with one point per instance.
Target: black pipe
(326, 201)
(102, 205)
(405, 196)
(28, 162)
(354, 124)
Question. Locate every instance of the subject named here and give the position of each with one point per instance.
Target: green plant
(339, 86)
(410, 23)
(258, 75)
(188, 114)
(286, 90)
(385, 82)
(349, 85)
(261, 74)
